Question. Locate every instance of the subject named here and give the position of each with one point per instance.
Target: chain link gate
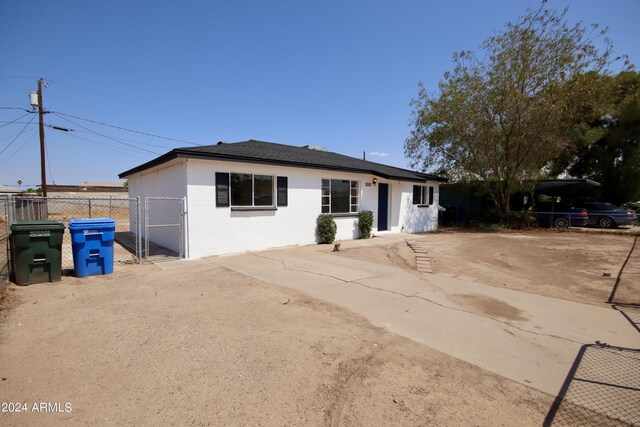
(164, 230)
(5, 222)
(125, 211)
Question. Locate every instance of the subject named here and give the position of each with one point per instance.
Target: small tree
(327, 228)
(365, 224)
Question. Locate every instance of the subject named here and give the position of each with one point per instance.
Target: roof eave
(180, 153)
(173, 154)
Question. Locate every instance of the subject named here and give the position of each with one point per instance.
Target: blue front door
(383, 206)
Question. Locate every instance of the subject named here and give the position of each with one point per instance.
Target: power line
(65, 129)
(16, 137)
(107, 146)
(46, 148)
(24, 144)
(106, 136)
(19, 77)
(125, 129)
(173, 114)
(16, 108)
(14, 121)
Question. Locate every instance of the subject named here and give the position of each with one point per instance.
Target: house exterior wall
(221, 230)
(168, 180)
(415, 219)
(212, 230)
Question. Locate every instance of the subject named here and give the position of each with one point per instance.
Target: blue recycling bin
(92, 246)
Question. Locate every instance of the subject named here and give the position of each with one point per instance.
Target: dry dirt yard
(207, 346)
(567, 265)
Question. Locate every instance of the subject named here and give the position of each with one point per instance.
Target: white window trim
(357, 205)
(424, 195)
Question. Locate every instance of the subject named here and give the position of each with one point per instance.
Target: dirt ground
(566, 265)
(207, 346)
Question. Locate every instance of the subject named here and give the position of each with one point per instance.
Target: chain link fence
(124, 211)
(4, 241)
(148, 228)
(603, 389)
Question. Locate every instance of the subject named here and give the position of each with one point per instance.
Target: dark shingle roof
(285, 155)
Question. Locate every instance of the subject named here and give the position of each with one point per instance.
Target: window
(339, 196)
(423, 195)
(248, 190)
(241, 189)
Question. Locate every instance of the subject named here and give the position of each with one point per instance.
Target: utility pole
(38, 102)
(43, 171)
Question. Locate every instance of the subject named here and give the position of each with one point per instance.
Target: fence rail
(4, 242)
(149, 228)
(125, 212)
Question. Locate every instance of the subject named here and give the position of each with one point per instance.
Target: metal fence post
(90, 208)
(110, 214)
(138, 230)
(182, 231)
(10, 208)
(146, 227)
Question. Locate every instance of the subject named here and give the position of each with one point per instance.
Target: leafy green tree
(606, 144)
(503, 116)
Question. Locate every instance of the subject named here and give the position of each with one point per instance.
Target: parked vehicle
(560, 217)
(633, 206)
(606, 215)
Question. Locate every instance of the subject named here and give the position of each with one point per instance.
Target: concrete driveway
(527, 338)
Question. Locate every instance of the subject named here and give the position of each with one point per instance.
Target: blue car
(561, 217)
(606, 215)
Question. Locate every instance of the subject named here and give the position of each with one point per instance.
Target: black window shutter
(430, 195)
(416, 194)
(222, 189)
(282, 191)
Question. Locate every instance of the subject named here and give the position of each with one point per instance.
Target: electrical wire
(107, 146)
(14, 121)
(6, 137)
(19, 77)
(16, 137)
(106, 136)
(125, 129)
(24, 144)
(64, 129)
(174, 114)
(46, 152)
(118, 138)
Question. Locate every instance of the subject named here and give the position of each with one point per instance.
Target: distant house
(8, 190)
(88, 189)
(255, 195)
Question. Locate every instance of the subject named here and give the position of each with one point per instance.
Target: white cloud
(378, 154)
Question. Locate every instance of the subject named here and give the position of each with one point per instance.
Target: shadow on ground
(602, 388)
(157, 253)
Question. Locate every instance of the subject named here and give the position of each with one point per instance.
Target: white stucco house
(255, 195)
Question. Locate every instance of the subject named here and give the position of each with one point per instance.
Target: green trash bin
(37, 251)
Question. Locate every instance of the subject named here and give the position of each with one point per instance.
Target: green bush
(327, 228)
(365, 223)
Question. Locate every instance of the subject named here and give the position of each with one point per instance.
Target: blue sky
(336, 74)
